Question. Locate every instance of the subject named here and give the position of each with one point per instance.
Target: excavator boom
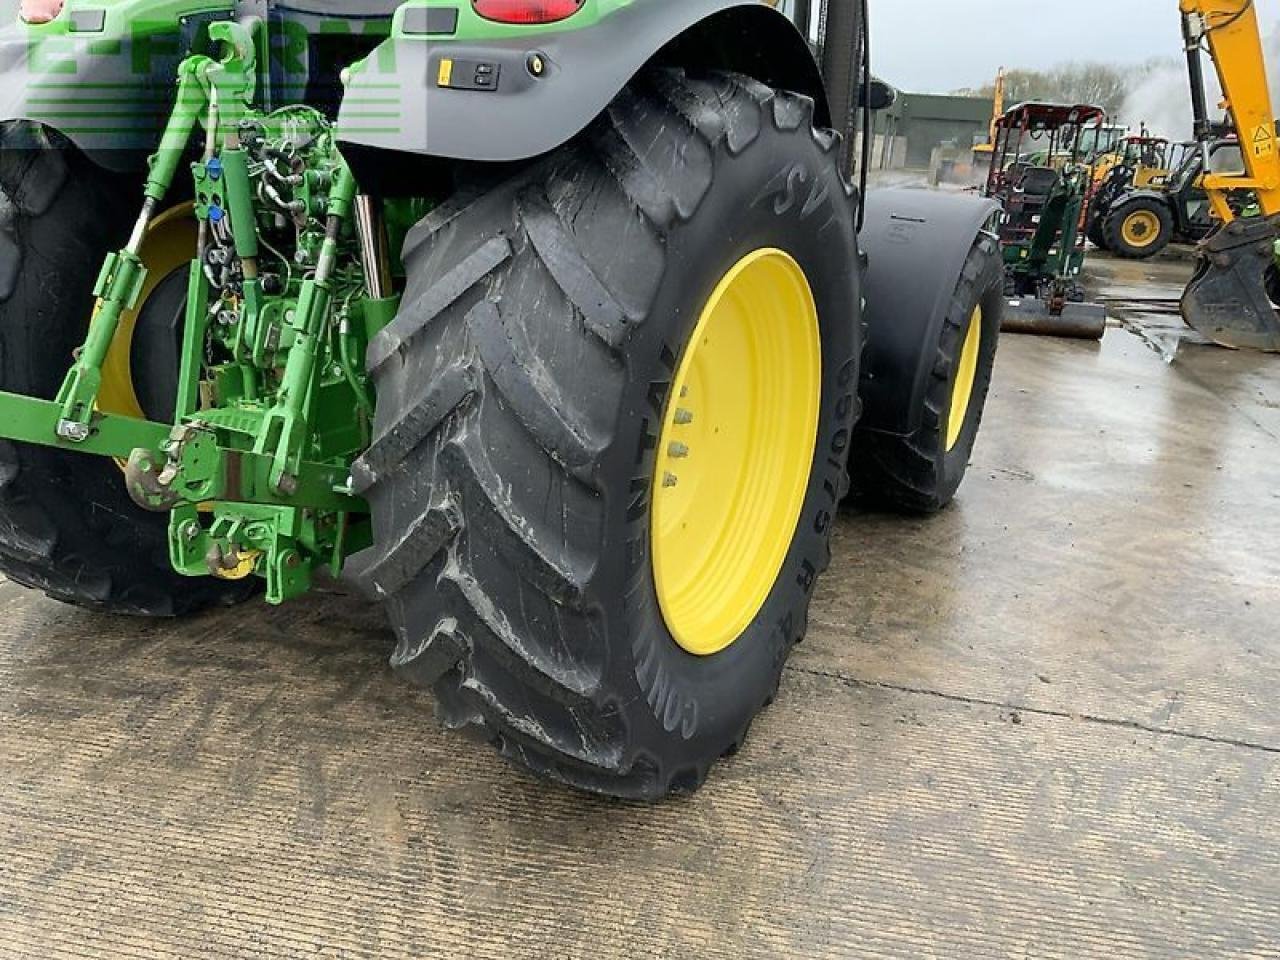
(997, 110)
(1229, 30)
(1227, 299)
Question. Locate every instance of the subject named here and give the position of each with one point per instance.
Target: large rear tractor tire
(67, 525)
(921, 473)
(1139, 229)
(612, 422)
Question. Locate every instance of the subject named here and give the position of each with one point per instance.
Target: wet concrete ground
(1044, 724)
(1144, 296)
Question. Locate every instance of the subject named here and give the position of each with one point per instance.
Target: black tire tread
(1095, 232)
(906, 473)
(492, 616)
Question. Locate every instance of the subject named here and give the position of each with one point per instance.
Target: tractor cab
(1150, 157)
(1041, 176)
(1192, 212)
(1142, 161)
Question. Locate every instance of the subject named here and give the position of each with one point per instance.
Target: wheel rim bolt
(678, 450)
(684, 417)
(670, 479)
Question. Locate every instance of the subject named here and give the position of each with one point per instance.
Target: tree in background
(1154, 94)
(1094, 83)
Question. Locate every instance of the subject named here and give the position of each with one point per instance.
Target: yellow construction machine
(966, 165)
(983, 152)
(1229, 299)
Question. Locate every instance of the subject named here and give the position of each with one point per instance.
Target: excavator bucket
(1227, 300)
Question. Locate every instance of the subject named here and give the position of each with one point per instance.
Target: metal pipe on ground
(1078, 321)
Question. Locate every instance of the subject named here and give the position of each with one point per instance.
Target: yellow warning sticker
(1264, 142)
(446, 73)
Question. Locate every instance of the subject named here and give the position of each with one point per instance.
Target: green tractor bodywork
(1041, 176)
(274, 403)
(321, 148)
(1052, 248)
(279, 348)
(267, 463)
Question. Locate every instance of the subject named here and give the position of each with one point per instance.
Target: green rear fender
(102, 73)
(421, 92)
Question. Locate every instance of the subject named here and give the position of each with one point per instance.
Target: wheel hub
(1141, 228)
(736, 451)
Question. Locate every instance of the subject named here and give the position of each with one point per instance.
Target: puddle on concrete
(1164, 332)
(1144, 296)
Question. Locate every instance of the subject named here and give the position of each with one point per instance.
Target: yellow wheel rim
(966, 375)
(1141, 228)
(170, 243)
(736, 451)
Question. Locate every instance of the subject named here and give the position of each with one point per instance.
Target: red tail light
(527, 11)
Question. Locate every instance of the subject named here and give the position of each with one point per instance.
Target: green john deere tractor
(545, 321)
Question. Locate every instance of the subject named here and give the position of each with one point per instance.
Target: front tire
(523, 393)
(1139, 229)
(922, 473)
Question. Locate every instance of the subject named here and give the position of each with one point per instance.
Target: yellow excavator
(983, 152)
(969, 166)
(1229, 300)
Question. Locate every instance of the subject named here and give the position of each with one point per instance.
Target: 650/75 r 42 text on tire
(525, 395)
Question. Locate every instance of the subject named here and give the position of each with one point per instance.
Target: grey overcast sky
(935, 46)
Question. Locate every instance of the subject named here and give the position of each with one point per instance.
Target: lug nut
(670, 479)
(678, 450)
(683, 417)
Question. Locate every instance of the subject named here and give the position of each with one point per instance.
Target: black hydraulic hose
(1195, 72)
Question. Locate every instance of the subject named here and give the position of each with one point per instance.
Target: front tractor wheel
(922, 472)
(611, 433)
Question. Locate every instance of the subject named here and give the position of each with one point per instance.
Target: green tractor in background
(541, 320)
(1041, 175)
